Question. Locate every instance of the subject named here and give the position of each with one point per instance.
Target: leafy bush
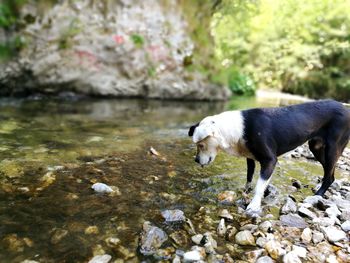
(287, 44)
(240, 84)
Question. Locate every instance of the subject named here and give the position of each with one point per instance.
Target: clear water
(51, 152)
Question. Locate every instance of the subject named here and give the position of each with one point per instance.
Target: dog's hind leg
(250, 174)
(332, 152)
(267, 167)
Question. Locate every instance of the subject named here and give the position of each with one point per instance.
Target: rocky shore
(314, 230)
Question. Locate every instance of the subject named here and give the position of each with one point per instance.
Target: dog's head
(207, 137)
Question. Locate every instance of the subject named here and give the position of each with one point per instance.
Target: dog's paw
(253, 213)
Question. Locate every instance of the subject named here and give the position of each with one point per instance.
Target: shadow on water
(53, 151)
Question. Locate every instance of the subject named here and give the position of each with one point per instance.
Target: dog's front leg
(267, 167)
(250, 173)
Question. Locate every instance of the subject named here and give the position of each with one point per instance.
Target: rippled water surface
(53, 151)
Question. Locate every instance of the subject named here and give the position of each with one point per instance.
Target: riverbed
(53, 151)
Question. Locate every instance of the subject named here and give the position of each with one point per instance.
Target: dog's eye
(201, 146)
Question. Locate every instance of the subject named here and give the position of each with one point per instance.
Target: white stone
(299, 251)
(306, 236)
(197, 239)
(245, 238)
(333, 234)
(101, 188)
(274, 249)
(291, 257)
(346, 226)
(265, 259)
(221, 230)
(101, 259)
(317, 237)
(192, 256)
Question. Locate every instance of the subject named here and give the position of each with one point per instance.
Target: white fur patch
(228, 127)
(255, 204)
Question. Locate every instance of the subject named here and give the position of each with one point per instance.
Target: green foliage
(240, 84)
(138, 40)
(287, 44)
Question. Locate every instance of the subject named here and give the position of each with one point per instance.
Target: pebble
(265, 226)
(299, 251)
(175, 215)
(230, 233)
(227, 197)
(265, 259)
(333, 211)
(192, 256)
(101, 259)
(303, 211)
(293, 220)
(289, 207)
(346, 226)
(221, 230)
(245, 238)
(197, 239)
(226, 215)
(333, 234)
(317, 237)
(101, 188)
(291, 257)
(274, 249)
(306, 236)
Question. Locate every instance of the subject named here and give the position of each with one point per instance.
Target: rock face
(128, 48)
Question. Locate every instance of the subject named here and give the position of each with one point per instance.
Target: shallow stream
(52, 151)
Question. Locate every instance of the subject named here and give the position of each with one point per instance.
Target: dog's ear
(192, 128)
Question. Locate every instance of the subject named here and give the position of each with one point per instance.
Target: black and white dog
(262, 134)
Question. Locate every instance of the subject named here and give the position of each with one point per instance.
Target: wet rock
(101, 259)
(58, 235)
(296, 184)
(317, 237)
(261, 241)
(271, 191)
(250, 227)
(197, 239)
(13, 243)
(306, 235)
(231, 233)
(291, 257)
(224, 213)
(346, 226)
(210, 243)
(289, 207)
(221, 229)
(192, 256)
(266, 226)
(227, 197)
(324, 221)
(303, 211)
(101, 188)
(189, 227)
(227, 258)
(152, 238)
(112, 242)
(312, 200)
(265, 259)
(293, 220)
(333, 234)
(274, 249)
(299, 251)
(345, 215)
(91, 230)
(252, 256)
(175, 215)
(245, 238)
(180, 238)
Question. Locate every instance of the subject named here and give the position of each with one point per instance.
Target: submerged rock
(245, 238)
(175, 215)
(101, 259)
(101, 188)
(227, 197)
(293, 220)
(152, 238)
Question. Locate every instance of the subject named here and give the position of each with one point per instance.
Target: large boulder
(128, 48)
